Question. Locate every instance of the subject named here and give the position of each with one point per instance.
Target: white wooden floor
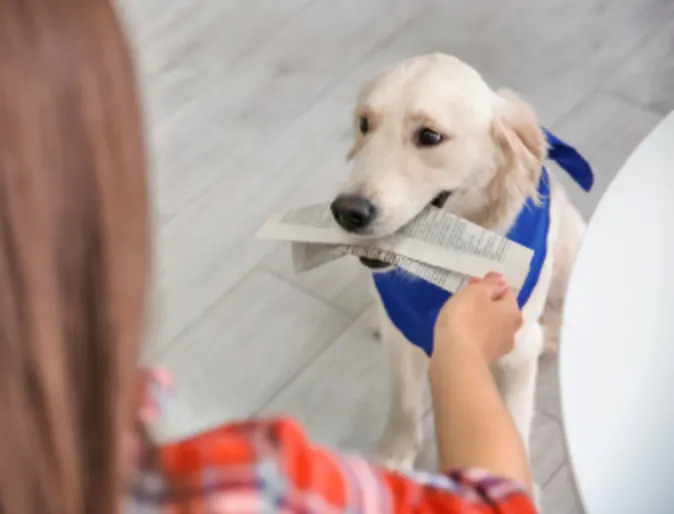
(249, 109)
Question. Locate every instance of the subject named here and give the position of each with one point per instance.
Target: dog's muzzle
(374, 264)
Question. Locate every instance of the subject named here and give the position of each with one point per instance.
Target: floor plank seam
(336, 80)
(223, 293)
(631, 102)
(274, 273)
(296, 375)
(547, 415)
(197, 319)
(654, 34)
(395, 32)
(610, 73)
(246, 51)
(320, 95)
(557, 470)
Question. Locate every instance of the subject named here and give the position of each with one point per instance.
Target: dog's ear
(519, 150)
(518, 135)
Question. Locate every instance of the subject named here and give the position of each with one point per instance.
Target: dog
(429, 130)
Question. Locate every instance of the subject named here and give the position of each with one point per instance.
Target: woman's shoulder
(240, 467)
(235, 444)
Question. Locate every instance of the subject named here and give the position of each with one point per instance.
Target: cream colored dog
(430, 130)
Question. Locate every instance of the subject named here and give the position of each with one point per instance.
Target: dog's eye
(428, 137)
(364, 125)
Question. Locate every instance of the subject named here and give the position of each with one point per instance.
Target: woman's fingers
(155, 384)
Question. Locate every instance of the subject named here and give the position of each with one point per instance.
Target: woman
(74, 261)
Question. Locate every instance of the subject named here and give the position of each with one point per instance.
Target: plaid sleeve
(269, 466)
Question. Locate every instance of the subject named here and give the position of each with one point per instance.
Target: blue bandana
(413, 304)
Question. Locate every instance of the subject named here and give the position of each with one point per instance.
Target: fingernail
(496, 276)
(162, 377)
(474, 280)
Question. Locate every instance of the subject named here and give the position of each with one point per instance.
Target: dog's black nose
(353, 212)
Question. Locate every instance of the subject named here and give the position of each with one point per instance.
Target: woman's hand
(483, 316)
(154, 385)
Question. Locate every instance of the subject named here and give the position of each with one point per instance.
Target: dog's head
(430, 130)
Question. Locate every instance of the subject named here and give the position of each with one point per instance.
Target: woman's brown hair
(74, 255)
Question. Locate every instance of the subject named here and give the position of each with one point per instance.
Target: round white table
(617, 348)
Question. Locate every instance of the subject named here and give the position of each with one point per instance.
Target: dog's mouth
(374, 264)
(440, 200)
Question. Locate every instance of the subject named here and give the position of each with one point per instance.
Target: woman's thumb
(497, 285)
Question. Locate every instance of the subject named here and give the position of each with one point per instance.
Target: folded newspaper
(436, 246)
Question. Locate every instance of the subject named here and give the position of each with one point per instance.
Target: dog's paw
(398, 451)
(402, 464)
(551, 347)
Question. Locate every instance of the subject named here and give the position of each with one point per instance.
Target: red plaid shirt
(270, 466)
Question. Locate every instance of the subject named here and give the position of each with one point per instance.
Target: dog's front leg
(408, 365)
